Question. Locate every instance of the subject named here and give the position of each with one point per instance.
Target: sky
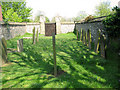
(65, 8)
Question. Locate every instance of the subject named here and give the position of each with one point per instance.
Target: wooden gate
(50, 28)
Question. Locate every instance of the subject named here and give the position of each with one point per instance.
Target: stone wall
(15, 29)
(12, 30)
(67, 27)
(93, 26)
(30, 26)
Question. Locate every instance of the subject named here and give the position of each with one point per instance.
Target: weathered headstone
(54, 55)
(0, 51)
(37, 36)
(86, 39)
(97, 40)
(80, 34)
(0, 63)
(89, 38)
(77, 33)
(20, 45)
(34, 35)
(102, 46)
(4, 50)
(83, 36)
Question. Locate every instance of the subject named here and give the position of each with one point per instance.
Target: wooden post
(96, 47)
(81, 34)
(20, 45)
(54, 54)
(4, 50)
(37, 36)
(102, 46)
(89, 39)
(34, 35)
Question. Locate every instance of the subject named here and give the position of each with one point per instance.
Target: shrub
(112, 23)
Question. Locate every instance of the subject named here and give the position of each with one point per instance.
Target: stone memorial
(20, 45)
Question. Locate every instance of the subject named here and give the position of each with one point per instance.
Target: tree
(17, 9)
(53, 20)
(47, 19)
(112, 30)
(103, 9)
(80, 15)
(37, 19)
(10, 15)
(112, 23)
(41, 13)
(63, 19)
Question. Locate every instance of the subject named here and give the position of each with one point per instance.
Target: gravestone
(77, 33)
(97, 40)
(0, 51)
(34, 35)
(37, 36)
(89, 38)
(83, 36)
(86, 38)
(4, 50)
(0, 65)
(20, 45)
(102, 46)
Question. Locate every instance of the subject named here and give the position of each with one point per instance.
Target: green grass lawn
(78, 67)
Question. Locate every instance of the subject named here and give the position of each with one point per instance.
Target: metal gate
(50, 28)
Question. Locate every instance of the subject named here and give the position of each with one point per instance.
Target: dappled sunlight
(77, 66)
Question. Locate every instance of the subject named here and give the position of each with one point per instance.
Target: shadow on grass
(81, 67)
(92, 63)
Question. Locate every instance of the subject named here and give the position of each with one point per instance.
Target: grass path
(33, 68)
